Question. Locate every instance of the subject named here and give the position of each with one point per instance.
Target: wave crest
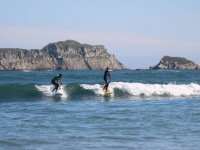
(84, 91)
(140, 89)
(47, 90)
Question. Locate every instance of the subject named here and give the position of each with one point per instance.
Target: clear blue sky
(138, 32)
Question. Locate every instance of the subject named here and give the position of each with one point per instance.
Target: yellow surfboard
(106, 91)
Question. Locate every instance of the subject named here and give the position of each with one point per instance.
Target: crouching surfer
(56, 81)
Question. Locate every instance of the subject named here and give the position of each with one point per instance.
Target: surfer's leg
(53, 89)
(57, 85)
(54, 86)
(105, 84)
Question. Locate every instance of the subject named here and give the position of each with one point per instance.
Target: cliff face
(61, 55)
(168, 62)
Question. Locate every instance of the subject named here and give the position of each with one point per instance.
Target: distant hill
(63, 55)
(168, 62)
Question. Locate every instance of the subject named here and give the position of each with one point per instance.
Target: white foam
(96, 88)
(140, 89)
(47, 90)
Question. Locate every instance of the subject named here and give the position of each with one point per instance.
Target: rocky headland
(63, 55)
(173, 63)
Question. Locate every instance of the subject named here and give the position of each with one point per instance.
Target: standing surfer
(106, 78)
(55, 81)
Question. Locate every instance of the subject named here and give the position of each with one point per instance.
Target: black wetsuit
(54, 81)
(106, 77)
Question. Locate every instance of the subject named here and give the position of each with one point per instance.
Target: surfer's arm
(60, 82)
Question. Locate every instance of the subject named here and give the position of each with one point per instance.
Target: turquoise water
(147, 110)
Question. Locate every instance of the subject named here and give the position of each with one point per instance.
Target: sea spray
(47, 90)
(96, 88)
(148, 90)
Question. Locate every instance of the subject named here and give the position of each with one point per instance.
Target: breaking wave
(140, 89)
(119, 89)
(47, 90)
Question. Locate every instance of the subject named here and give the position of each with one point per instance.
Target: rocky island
(63, 55)
(172, 63)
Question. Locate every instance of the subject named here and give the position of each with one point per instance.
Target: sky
(138, 32)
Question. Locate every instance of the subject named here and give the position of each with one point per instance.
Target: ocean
(148, 110)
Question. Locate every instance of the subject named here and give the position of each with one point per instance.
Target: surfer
(55, 81)
(106, 78)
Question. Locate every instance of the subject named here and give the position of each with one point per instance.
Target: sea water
(148, 110)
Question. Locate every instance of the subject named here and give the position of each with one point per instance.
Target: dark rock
(61, 55)
(168, 62)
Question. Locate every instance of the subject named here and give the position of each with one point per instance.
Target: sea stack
(168, 62)
(63, 55)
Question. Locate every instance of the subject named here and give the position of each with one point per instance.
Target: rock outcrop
(168, 62)
(64, 55)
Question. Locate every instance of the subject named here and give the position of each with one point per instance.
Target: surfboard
(107, 92)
